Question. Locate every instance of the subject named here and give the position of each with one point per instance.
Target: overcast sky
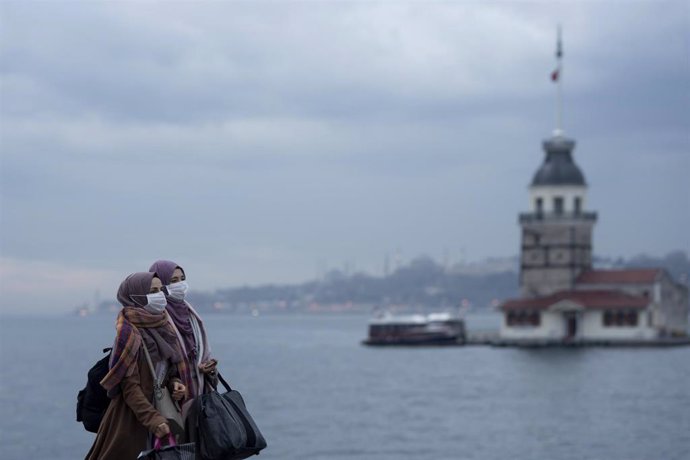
(257, 142)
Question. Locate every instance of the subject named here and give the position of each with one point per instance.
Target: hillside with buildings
(421, 283)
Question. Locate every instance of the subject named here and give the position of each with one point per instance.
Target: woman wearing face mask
(131, 418)
(188, 324)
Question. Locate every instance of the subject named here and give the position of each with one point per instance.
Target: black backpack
(92, 400)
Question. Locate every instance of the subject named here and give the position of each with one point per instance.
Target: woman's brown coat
(130, 418)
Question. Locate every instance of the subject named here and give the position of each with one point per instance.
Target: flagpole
(559, 95)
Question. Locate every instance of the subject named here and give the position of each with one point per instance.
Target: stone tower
(557, 232)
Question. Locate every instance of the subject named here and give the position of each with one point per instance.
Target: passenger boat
(431, 329)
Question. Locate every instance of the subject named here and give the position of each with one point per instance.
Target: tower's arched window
(539, 206)
(558, 205)
(577, 205)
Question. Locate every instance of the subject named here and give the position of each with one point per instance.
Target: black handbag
(172, 451)
(224, 429)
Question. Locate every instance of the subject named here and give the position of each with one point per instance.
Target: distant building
(563, 298)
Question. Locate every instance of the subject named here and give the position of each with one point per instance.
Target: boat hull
(423, 341)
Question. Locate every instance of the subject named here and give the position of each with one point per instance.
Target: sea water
(316, 393)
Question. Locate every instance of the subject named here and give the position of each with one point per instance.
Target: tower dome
(558, 167)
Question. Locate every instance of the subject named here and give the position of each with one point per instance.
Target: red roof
(643, 275)
(588, 299)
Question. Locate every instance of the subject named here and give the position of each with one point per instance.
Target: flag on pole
(559, 54)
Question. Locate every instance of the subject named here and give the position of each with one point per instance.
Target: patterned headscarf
(135, 326)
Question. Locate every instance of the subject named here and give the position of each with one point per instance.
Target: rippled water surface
(316, 393)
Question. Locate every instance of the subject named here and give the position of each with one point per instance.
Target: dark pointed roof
(558, 167)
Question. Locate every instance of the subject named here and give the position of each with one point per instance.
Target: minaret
(557, 233)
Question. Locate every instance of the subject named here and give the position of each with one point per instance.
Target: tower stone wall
(554, 251)
(556, 241)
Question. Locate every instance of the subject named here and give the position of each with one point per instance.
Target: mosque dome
(558, 167)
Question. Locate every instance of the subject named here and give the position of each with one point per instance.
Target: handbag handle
(225, 384)
(157, 442)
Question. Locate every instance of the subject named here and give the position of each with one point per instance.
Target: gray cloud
(256, 141)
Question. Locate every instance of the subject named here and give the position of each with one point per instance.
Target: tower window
(558, 205)
(539, 205)
(578, 205)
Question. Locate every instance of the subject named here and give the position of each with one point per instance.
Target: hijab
(136, 325)
(178, 309)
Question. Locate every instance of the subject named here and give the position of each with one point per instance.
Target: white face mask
(178, 290)
(156, 302)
